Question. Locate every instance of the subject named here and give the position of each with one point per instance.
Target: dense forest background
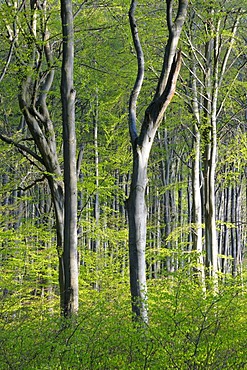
(196, 194)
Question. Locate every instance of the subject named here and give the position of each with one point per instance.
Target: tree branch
(172, 43)
(21, 147)
(156, 109)
(32, 184)
(140, 73)
(169, 4)
(46, 86)
(10, 53)
(229, 49)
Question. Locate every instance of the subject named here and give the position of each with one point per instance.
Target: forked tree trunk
(141, 146)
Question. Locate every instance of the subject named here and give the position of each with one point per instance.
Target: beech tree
(69, 273)
(142, 144)
(37, 73)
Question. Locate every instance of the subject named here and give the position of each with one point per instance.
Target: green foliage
(187, 330)
(28, 270)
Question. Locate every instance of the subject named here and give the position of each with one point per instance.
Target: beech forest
(123, 185)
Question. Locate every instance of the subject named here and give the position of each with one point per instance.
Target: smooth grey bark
(141, 146)
(69, 256)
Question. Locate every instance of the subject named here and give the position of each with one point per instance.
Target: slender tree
(69, 256)
(142, 144)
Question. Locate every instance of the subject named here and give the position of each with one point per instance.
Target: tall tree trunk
(210, 221)
(96, 204)
(137, 217)
(142, 143)
(69, 256)
(197, 201)
(210, 111)
(196, 182)
(196, 174)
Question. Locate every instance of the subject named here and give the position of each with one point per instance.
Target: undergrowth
(188, 329)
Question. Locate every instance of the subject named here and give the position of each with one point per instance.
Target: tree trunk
(209, 194)
(210, 109)
(196, 186)
(69, 256)
(137, 217)
(96, 203)
(142, 143)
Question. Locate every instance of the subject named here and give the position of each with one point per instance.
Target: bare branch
(21, 147)
(229, 49)
(195, 53)
(80, 8)
(193, 74)
(43, 178)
